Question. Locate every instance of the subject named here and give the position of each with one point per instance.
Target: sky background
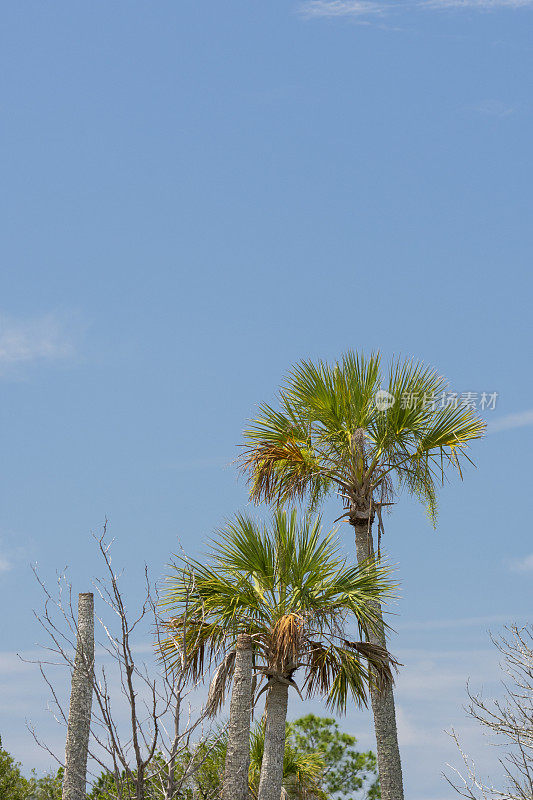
(193, 197)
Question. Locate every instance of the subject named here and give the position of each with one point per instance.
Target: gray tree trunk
(272, 767)
(235, 784)
(79, 716)
(388, 751)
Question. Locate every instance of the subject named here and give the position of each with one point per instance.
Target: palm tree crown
(345, 428)
(288, 587)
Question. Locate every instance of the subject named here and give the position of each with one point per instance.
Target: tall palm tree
(293, 593)
(345, 429)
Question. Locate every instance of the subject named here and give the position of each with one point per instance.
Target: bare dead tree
(508, 721)
(153, 756)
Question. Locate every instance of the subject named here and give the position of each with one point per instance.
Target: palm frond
(336, 673)
(381, 663)
(220, 681)
(280, 460)
(286, 640)
(305, 450)
(285, 584)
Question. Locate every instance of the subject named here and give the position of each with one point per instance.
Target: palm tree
(291, 591)
(237, 762)
(197, 642)
(344, 429)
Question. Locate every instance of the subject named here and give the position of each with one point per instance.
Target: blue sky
(196, 195)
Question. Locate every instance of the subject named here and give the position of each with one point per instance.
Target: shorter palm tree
(195, 643)
(287, 586)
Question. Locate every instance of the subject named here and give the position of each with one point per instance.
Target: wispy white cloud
(5, 565)
(494, 108)
(408, 732)
(522, 419)
(522, 564)
(341, 8)
(31, 340)
(372, 8)
(427, 671)
(6, 562)
(484, 5)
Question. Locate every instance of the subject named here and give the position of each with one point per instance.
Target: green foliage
(210, 755)
(13, 785)
(346, 771)
(301, 768)
(320, 761)
(107, 787)
(48, 788)
(309, 445)
(104, 788)
(205, 762)
(288, 586)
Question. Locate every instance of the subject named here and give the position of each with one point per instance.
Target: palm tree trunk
(235, 785)
(79, 717)
(272, 765)
(388, 751)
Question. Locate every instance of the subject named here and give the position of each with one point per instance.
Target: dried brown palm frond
(335, 671)
(263, 462)
(220, 681)
(381, 662)
(286, 640)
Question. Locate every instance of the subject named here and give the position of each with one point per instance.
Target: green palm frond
(348, 669)
(191, 646)
(285, 584)
(303, 770)
(305, 449)
(336, 673)
(282, 462)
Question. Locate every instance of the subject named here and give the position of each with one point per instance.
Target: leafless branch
(159, 736)
(508, 721)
